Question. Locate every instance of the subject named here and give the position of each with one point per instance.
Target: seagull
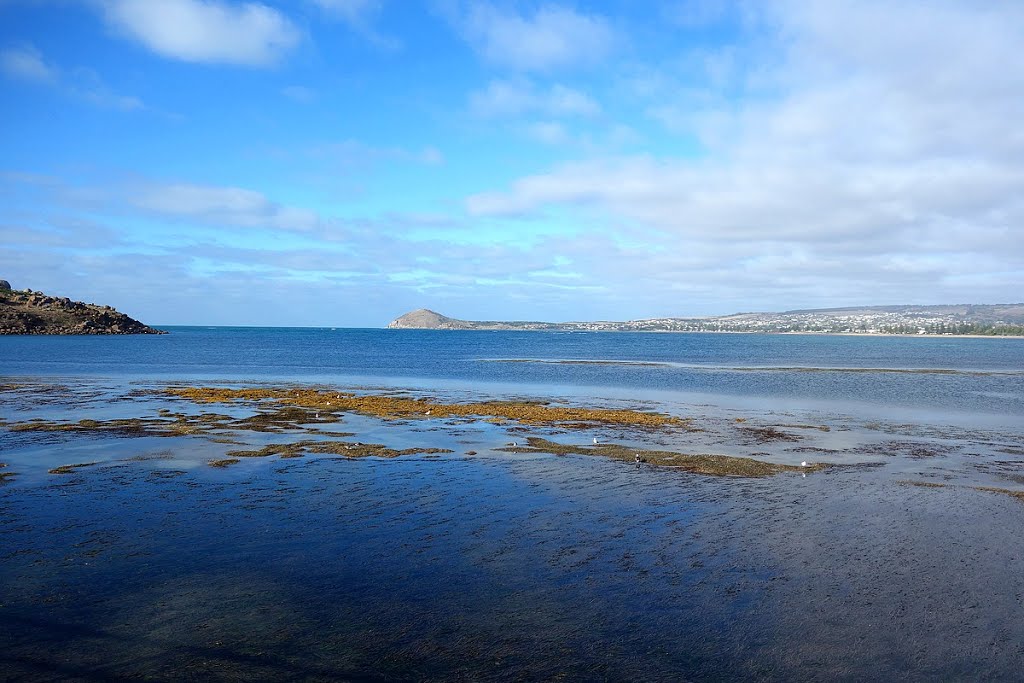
(595, 440)
(427, 413)
(803, 464)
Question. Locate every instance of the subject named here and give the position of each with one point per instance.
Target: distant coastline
(960, 320)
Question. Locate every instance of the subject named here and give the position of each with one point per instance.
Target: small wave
(753, 368)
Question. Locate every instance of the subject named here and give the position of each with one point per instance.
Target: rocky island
(28, 312)
(1005, 320)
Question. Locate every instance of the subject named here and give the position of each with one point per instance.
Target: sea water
(983, 375)
(504, 566)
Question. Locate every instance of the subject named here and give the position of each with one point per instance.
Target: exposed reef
(349, 449)
(320, 420)
(71, 469)
(402, 407)
(717, 465)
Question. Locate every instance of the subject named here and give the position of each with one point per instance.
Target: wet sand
(895, 562)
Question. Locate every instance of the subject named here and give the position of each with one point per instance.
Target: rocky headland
(28, 312)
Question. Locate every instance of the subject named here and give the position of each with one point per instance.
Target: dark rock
(31, 312)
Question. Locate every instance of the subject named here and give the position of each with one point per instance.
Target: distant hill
(956, 319)
(425, 319)
(28, 312)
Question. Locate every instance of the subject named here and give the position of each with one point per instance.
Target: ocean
(886, 545)
(958, 374)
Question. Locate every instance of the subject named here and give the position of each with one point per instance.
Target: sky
(341, 162)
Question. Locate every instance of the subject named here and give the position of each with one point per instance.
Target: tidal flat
(237, 530)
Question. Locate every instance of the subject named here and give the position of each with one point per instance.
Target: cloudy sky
(339, 162)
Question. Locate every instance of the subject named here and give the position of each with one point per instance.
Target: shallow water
(505, 568)
(513, 565)
(987, 377)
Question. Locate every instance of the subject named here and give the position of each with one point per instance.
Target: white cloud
(360, 16)
(206, 31)
(26, 63)
(214, 205)
(851, 154)
(548, 132)
(86, 84)
(518, 97)
(694, 14)
(552, 37)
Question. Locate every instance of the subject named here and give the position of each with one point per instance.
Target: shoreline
(761, 332)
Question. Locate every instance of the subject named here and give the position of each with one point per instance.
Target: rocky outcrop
(425, 319)
(28, 312)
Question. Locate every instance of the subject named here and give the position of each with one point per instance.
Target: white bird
(427, 413)
(803, 464)
(595, 440)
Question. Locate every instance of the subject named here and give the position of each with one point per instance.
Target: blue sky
(339, 162)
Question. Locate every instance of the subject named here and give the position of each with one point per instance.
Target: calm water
(892, 565)
(985, 375)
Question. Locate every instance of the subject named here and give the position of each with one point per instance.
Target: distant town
(964, 319)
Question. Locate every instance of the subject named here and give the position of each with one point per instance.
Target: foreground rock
(28, 312)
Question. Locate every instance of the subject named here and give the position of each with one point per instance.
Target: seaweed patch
(388, 406)
(711, 464)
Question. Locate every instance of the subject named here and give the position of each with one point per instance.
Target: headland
(29, 312)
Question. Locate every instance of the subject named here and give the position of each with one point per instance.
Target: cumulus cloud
(854, 151)
(205, 31)
(551, 37)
